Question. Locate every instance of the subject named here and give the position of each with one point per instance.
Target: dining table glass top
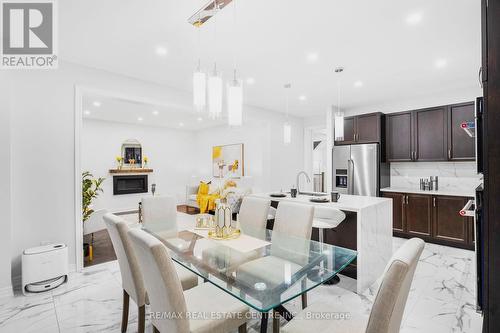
(262, 268)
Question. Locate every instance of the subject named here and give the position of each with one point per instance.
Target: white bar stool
(327, 218)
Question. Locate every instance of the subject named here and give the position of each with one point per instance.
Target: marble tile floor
(441, 299)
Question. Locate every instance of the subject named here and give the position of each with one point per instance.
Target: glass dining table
(261, 268)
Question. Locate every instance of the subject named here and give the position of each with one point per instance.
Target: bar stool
(327, 218)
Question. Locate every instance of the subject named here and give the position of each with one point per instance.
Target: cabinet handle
(449, 154)
(434, 201)
(406, 199)
(403, 200)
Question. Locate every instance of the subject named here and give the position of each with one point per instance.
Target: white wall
(5, 202)
(271, 164)
(171, 154)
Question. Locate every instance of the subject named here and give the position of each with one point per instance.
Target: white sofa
(243, 186)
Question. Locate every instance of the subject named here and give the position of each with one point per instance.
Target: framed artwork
(228, 159)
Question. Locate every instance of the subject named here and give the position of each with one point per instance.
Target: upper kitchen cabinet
(461, 146)
(366, 128)
(399, 137)
(430, 134)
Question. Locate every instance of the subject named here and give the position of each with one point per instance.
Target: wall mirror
(132, 153)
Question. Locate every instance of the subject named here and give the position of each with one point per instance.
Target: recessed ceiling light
(96, 104)
(200, 119)
(181, 124)
(440, 63)
(312, 57)
(161, 51)
(358, 84)
(155, 112)
(139, 119)
(302, 98)
(414, 18)
(250, 80)
(86, 112)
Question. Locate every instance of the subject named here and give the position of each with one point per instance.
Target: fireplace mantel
(129, 171)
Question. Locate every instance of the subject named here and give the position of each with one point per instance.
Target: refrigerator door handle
(350, 179)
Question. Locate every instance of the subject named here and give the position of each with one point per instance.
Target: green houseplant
(90, 190)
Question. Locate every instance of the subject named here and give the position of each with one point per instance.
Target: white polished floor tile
(441, 299)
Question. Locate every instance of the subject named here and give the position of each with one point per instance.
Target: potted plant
(91, 188)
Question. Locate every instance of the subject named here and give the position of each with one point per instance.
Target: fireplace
(130, 184)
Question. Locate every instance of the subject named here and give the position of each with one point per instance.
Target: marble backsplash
(452, 175)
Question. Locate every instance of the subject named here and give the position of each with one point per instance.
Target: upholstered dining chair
(132, 279)
(215, 310)
(160, 211)
(388, 307)
(253, 213)
(292, 219)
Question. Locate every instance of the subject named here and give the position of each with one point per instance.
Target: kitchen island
(373, 231)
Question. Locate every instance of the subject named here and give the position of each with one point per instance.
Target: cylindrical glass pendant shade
(235, 103)
(287, 133)
(215, 96)
(339, 126)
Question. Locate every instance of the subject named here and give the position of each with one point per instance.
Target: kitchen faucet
(298, 178)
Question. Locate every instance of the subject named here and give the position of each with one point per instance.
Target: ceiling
(105, 108)
(397, 49)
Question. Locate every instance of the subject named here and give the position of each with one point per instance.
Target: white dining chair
(132, 278)
(388, 307)
(327, 218)
(253, 213)
(286, 258)
(94, 224)
(215, 310)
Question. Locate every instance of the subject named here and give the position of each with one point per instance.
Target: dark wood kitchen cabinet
(461, 147)
(418, 215)
(366, 128)
(448, 225)
(399, 137)
(430, 134)
(434, 218)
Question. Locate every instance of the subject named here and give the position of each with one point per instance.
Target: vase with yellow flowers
(119, 160)
(145, 164)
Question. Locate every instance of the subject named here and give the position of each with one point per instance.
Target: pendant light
(234, 88)
(215, 81)
(199, 81)
(339, 115)
(287, 128)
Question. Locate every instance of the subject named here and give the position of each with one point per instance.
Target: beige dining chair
(388, 307)
(215, 311)
(286, 257)
(253, 213)
(132, 279)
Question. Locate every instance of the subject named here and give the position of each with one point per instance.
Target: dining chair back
(388, 307)
(159, 210)
(294, 219)
(132, 280)
(163, 284)
(253, 213)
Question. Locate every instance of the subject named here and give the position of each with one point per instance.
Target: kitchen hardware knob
(449, 154)
(434, 201)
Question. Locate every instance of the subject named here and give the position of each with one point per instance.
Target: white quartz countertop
(451, 192)
(353, 203)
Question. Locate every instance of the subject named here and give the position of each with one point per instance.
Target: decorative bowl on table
(277, 195)
(320, 199)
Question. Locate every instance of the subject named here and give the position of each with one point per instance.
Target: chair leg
(126, 299)
(141, 321)
(304, 300)
(242, 328)
(276, 321)
(155, 330)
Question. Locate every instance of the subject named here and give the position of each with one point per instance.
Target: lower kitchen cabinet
(434, 218)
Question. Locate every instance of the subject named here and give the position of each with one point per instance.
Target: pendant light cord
(215, 36)
(199, 43)
(234, 38)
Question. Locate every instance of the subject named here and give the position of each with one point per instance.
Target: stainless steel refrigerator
(358, 169)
